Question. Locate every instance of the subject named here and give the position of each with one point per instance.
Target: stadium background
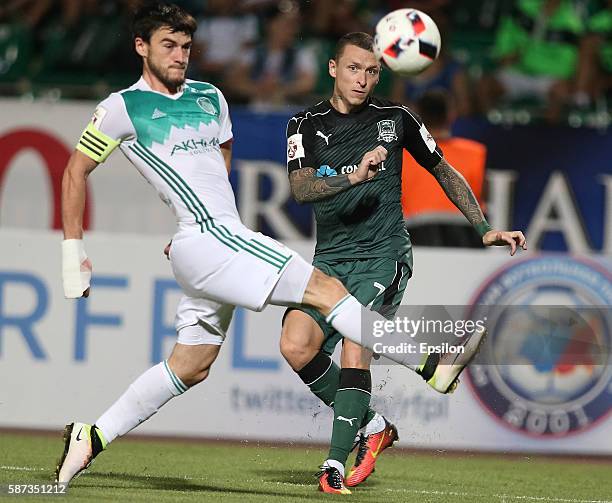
(550, 176)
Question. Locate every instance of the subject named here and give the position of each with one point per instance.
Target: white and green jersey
(174, 141)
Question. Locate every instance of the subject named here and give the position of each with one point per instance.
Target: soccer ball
(407, 41)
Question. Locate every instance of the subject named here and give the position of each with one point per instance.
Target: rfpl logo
(546, 370)
(194, 146)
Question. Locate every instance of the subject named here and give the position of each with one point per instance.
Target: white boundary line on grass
(503, 497)
(546, 499)
(21, 469)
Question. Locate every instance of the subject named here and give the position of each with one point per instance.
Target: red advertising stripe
(55, 156)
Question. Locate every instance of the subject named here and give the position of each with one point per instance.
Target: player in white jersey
(178, 135)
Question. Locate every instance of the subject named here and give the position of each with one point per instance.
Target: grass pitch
(160, 471)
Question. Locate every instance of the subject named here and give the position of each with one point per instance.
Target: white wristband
(76, 268)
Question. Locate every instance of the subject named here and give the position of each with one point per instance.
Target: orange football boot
(370, 448)
(331, 481)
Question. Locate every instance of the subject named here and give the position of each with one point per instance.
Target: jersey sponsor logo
(427, 138)
(386, 131)
(326, 138)
(295, 147)
(545, 372)
(158, 114)
(195, 146)
(98, 116)
(324, 170)
(206, 105)
(351, 168)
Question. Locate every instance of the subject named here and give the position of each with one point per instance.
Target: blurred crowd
(511, 60)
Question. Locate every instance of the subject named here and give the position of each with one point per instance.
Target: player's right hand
(368, 167)
(76, 269)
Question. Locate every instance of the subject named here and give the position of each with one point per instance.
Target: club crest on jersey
(205, 104)
(386, 131)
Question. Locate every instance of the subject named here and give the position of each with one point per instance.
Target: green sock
(370, 413)
(322, 376)
(350, 407)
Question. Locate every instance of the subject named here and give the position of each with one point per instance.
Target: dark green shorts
(378, 283)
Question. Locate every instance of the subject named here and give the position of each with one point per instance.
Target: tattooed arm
(306, 187)
(460, 193)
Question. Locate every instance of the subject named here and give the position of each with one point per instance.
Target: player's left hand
(505, 238)
(167, 250)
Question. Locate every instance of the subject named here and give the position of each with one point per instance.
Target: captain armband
(95, 144)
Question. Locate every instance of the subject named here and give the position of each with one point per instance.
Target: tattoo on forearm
(306, 187)
(460, 193)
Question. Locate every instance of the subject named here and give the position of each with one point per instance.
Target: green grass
(160, 471)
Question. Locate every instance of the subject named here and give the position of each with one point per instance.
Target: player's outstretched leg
(82, 443)
(378, 435)
(343, 312)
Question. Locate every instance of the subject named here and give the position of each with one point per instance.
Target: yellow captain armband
(95, 144)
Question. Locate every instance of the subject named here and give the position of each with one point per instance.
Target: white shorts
(202, 321)
(243, 268)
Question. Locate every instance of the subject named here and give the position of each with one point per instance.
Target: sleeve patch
(98, 116)
(427, 138)
(295, 147)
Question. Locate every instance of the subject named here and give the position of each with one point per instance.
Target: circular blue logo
(546, 369)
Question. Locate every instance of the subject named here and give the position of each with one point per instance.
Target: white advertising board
(62, 360)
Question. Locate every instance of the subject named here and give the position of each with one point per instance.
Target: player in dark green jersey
(361, 239)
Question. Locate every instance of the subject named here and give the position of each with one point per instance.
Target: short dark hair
(358, 38)
(154, 15)
(433, 107)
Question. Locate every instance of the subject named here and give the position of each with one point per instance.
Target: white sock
(376, 425)
(345, 317)
(335, 464)
(145, 396)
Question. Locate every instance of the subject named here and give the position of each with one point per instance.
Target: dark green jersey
(366, 220)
